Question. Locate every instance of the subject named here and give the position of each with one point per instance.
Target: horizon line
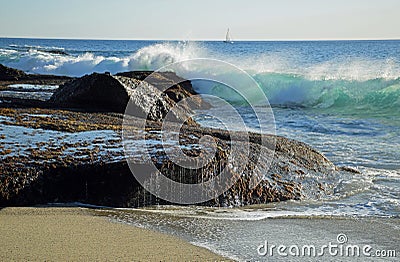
(194, 40)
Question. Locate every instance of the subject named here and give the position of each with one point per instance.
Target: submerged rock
(55, 52)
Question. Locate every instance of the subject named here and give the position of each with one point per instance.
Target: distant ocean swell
(353, 84)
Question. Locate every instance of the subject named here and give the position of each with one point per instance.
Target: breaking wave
(37, 59)
(356, 83)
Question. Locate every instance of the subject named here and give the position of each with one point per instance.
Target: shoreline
(237, 235)
(66, 233)
(78, 233)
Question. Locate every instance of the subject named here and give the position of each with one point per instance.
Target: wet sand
(74, 234)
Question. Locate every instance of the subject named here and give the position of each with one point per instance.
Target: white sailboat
(228, 38)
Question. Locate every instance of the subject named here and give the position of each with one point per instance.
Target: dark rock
(10, 74)
(297, 171)
(105, 92)
(176, 88)
(56, 52)
(99, 91)
(349, 169)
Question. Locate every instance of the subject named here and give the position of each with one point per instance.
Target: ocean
(340, 97)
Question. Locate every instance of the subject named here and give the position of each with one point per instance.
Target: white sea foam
(354, 69)
(147, 58)
(33, 87)
(35, 59)
(37, 47)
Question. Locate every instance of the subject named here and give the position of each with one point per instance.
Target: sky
(201, 20)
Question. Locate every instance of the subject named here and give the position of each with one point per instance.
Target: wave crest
(286, 90)
(158, 55)
(35, 60)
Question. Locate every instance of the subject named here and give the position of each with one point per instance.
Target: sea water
(340, 97)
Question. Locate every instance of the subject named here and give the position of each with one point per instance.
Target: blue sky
(205, 19)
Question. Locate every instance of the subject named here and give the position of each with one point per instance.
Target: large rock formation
(55, 170)
(102, 177)
(95, 91)
(105, 92)
(175, 87)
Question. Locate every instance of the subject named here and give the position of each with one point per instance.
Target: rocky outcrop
(11, 74)
(112, 183)
(55, 52)
(100, 177)
(95, 91)
(105, 92)
(175, 87)
(49, 171)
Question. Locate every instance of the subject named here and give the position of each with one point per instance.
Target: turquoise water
(341, 97)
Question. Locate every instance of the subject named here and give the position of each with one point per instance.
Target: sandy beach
(73, 234)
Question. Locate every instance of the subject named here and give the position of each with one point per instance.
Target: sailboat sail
(228, 37)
